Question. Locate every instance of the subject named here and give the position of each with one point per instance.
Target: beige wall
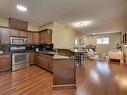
(47, 26)
(4, 22)
(33, 28)
(113, 40)
(80, 37)
(63, 36)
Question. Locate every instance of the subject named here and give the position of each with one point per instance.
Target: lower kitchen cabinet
(5, 62)
(45, 61)
(36, 58)
(31, 58)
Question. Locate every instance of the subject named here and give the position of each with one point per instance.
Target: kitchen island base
(64, 72)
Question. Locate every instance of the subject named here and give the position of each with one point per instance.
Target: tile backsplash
(4, 48)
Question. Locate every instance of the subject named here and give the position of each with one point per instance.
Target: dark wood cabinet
(45, 36)
(41, 37)
(19, 33)
(5, 62)
(30, 38)
(31, 58)
(4, 35)
(35, 38)
(23, 34)
(36, 60)
(17, 24)
(64, 74)
(50, 63)
(45, 61)
(15, 32)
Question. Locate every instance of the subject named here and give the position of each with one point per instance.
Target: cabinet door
(23, 34)
(30, 37)
(4, 35)
(36, 58)
(31, 58)
(49, 36)
(5, 62)
(46, 36)
(41, 37)
(18, 24)
(43, 61)
(50, 63)
(35, 38)
(15, 32)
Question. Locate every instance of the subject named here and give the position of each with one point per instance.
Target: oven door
(20, 58)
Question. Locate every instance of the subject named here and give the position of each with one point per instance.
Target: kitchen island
(62, 67)
(63, 71)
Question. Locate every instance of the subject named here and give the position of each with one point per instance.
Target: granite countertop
(46, 52)
(78, 50)
(60, 57)
(5, 54)
(54, 54)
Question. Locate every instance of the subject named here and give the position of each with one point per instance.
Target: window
(76, 41)
(102, 40)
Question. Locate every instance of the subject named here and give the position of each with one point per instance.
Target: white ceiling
(105, 15)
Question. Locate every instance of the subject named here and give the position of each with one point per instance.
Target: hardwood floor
(93, 78)
(30, 81)
(102, 78)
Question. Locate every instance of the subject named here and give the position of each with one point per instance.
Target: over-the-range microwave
(18, 40)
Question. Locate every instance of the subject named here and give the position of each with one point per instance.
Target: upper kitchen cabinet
(30, 41)
(17, 24)
(19, 33)
(18, 27)
(23, 34)
(45, 36)
(35, 37)
(4, 35)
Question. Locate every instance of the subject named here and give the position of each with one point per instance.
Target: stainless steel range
(20, 56)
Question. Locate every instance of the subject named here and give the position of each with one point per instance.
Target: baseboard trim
(64, 86)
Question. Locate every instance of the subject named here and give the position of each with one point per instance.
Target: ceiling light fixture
(81, 24)
(21, 8)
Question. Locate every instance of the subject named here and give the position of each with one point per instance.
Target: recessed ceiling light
(21, 8)
(81, 24)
